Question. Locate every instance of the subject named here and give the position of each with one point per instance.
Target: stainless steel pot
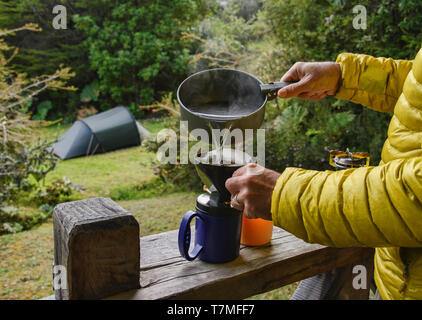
(220, 98)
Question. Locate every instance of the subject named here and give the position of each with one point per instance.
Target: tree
(315, 30)
(42, 52)
(319, 30)
(136, 49)
(19, 161)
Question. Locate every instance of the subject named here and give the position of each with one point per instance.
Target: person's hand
(316, 80)
(253, 186)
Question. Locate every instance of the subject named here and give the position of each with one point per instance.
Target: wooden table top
(286, 259)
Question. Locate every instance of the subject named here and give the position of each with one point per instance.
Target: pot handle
(271, 88)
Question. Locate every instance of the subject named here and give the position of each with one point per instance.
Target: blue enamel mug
(217, 232)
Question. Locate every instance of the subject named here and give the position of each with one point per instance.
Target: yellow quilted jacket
(379, 206)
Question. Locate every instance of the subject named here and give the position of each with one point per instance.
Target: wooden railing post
(96, 249)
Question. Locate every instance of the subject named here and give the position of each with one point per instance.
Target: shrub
(173, 174)
(13, 221)
(23, 165)
(305, 132)
(59, 190)
(312, 30)
(23, 168)
(136, 49)
(266, 43)
(155, 187)
(42, 52)
(319, 30)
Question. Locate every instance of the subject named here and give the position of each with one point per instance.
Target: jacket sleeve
(370, 206)
(375, 83)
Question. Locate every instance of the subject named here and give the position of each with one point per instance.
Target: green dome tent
(103, 132)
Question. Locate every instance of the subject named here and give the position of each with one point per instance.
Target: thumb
(294, 89)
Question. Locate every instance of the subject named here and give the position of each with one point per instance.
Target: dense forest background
(136, 52)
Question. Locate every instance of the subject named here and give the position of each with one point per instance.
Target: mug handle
(185, 237)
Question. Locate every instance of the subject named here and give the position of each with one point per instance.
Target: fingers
(305, 95)
(249, 212)
(242, 204)
(249, 170)
(315, 80)
(239, 172)
(233, 185)
(251, 193)
(331, 92)
(295, 89)
(312, 95)
(238, 203)
(240, 176)
(317, 97)
(248, 209)
(292, 74)
(292, 90)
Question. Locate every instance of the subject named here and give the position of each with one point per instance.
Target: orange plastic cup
(256, 232)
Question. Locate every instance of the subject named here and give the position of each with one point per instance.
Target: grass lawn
(100, 174)
(26, 258)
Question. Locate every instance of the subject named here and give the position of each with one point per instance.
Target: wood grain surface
(97, 242)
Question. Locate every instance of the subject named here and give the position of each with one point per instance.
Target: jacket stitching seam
(398, 213)
(370, 211)
(340, 200)
(322, 221)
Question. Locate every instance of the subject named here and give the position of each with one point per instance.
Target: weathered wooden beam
(287, 259)
(96, 245)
